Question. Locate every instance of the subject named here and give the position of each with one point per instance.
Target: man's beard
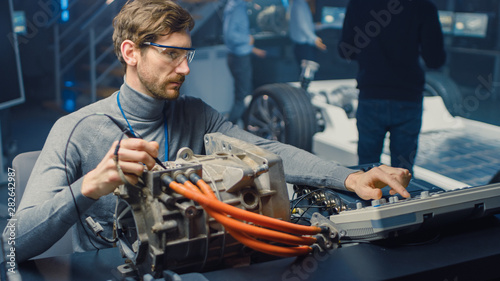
(159, 91)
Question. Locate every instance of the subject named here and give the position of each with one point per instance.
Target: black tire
(283, 113)
(438, 84)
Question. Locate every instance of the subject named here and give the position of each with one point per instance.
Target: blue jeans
(401, 118)
(241, 70)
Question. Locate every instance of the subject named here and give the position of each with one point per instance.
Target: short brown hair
(145, 20)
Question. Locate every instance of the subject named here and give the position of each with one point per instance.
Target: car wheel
(283, 113)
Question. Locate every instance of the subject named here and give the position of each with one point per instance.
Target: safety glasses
(175, 55)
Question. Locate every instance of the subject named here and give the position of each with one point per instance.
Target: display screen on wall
(471, 24)
(12, 91)
(333, 16)
(447, 20)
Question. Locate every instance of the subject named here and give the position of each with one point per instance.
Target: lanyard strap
(123, 113)
(165, 126)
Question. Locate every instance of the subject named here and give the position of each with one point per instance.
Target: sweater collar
(139, 106)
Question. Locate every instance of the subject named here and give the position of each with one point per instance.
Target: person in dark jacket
(387, 38)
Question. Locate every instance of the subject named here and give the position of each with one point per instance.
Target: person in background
(387, 38)
(301, 29)
(240, 45)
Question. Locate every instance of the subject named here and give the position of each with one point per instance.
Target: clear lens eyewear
(175, 55)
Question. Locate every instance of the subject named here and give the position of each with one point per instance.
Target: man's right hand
(133, 154)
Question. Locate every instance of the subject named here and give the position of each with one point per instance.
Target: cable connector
(94, 226)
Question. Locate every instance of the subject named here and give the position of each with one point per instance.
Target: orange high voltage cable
(237, 229)
(262, 246)
(219, 206)
(256, 231)
(268, 248)
(253, 217)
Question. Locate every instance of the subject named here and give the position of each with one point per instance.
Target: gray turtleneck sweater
(47, 209)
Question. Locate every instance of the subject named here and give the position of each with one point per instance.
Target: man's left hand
(367, 185)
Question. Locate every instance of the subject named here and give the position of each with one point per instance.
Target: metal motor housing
(158, 229)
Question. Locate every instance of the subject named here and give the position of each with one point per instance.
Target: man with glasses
(153, 43)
